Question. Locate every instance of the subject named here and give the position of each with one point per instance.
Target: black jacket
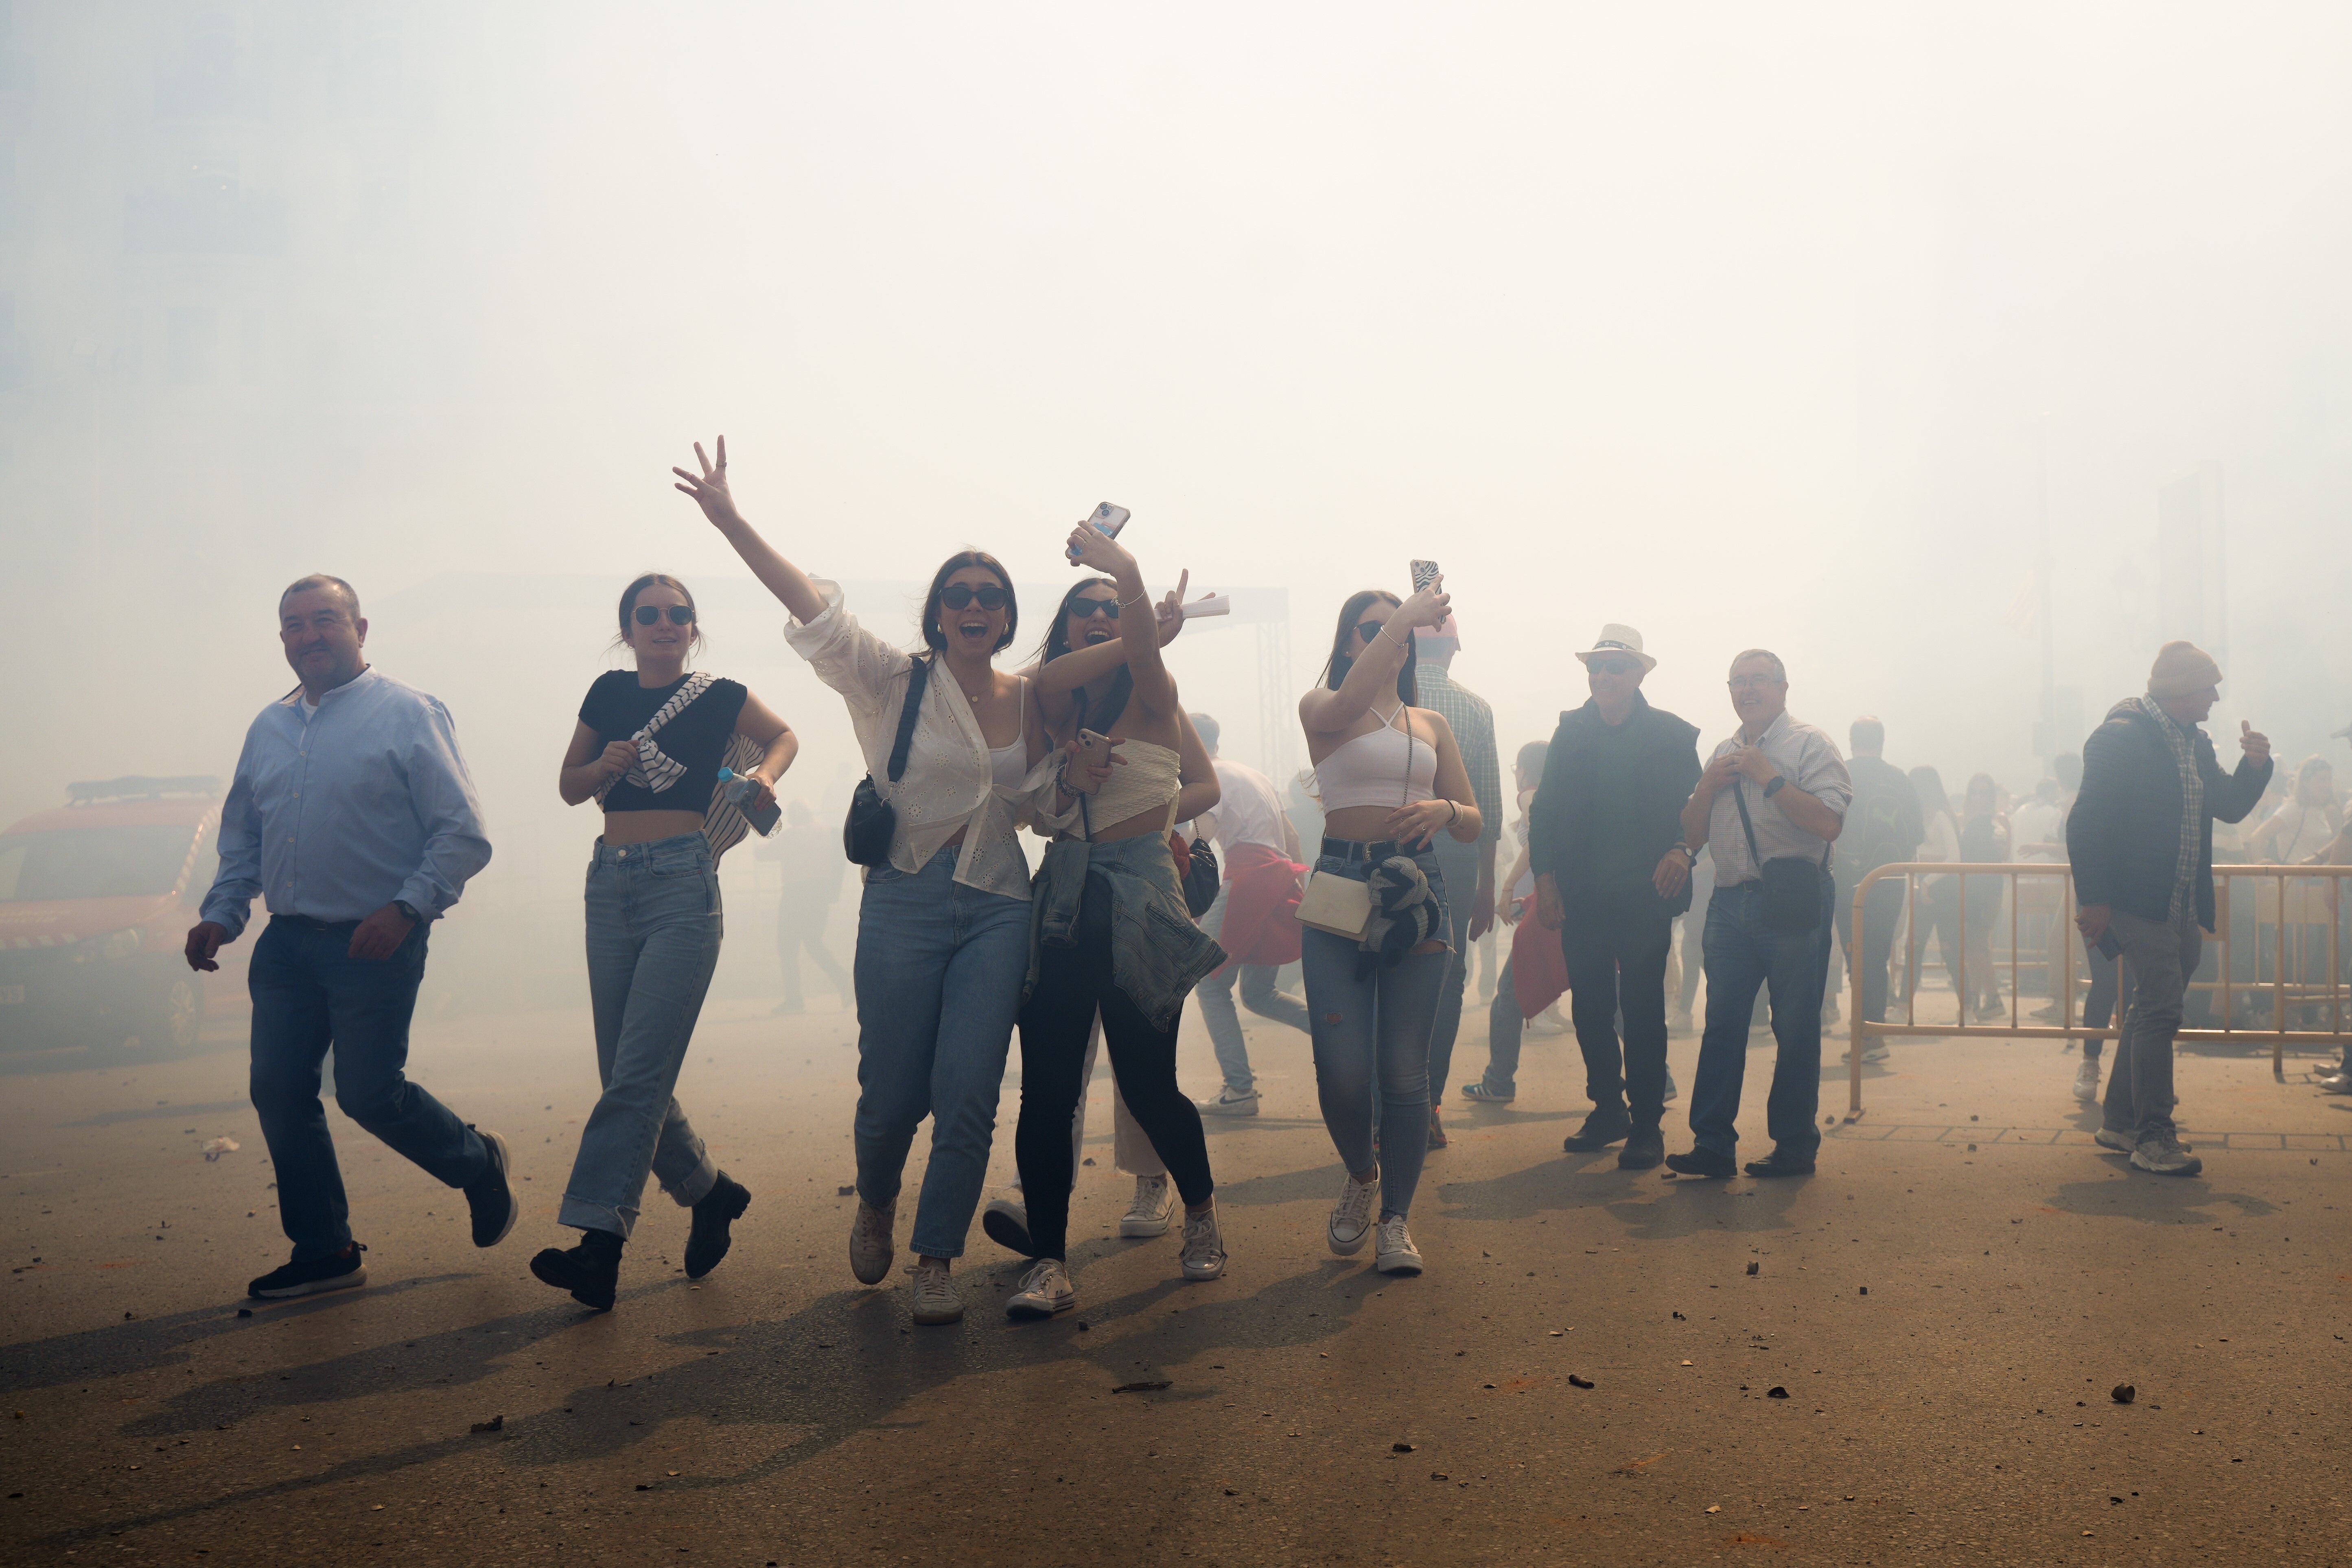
(1559, 822)
(1882, 826)
(2123, 834)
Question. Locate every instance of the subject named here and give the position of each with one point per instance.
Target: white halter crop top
(1388, 766)
(1009, 764)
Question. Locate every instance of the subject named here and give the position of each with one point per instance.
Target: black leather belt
(1353, 849)
(311, 922)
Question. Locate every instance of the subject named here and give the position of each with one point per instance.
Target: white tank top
(1388, 766)
(1008, 766)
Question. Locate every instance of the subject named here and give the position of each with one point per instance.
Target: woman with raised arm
(1111, 932)
(648, 748)
(1391, 778)
(943, 924)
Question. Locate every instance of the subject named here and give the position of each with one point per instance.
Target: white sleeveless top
(1388, 766)
(1008, 766)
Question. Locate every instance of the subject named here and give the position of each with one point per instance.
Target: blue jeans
(310, 992)
(1460, 863)
(654, 927)
(939, 973)
(1742, 956)
(1258, 994)
(1375, 1026)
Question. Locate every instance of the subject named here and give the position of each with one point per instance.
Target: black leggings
(1072, 984)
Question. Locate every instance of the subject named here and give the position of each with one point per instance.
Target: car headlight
(108, 948)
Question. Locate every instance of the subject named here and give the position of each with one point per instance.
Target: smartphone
(1111, 518)
(1424, 572)
(1095, 753)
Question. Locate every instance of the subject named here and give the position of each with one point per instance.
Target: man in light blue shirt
(352, 817)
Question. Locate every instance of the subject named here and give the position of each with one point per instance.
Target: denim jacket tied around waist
(1157, 953)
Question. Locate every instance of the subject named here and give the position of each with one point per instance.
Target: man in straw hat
(1611, 873)
(2141, 840)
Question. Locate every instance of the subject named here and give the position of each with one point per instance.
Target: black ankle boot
(708, 1242)
(590, 1271)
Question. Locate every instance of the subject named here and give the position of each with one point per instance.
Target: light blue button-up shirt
(336, 813)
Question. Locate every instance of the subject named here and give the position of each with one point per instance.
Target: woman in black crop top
(649, 746)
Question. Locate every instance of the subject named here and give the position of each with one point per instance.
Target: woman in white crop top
(1392, 779)
(1114, 939)
(942, 926)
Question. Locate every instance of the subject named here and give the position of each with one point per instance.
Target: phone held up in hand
(1424, 572)
(1108, 517)
(1094, 753)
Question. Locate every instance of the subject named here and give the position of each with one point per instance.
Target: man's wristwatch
(404, 907)
(1689, 854)
(1779, 780)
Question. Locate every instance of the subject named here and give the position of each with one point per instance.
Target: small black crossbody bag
(874, 821)
(1792, 884)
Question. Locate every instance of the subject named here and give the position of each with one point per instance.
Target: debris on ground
(845, 1192)
(216, 1147)
(495, 1424)
(1754, 1268)
(2123, 1394)
(1140, 1387)
(1576, 1381)
(1399, 1447)
(245, 1311)
(1776, 1392)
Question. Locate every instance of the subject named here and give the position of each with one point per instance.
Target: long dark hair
(1343, 648)
(936, 639)
(1057, 643)
(650, 580)
(1930, 787)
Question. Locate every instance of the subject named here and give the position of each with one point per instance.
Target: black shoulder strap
(908, 712)
(1739, 799)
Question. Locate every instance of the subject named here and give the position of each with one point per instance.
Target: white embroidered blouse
(948, 784)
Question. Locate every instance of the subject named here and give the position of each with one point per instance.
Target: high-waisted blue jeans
(654, 927)
(1375, 1027)
(939, 973)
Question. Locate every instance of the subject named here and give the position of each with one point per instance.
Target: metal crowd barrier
(2331, 997)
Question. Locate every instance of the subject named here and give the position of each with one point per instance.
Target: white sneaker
(1228, 1103)
(2166, 1155)
(1876, 1051)
(870, 1247)
(1045, 1290)
(1395, 1253)
(2108, 1137)
(1351, 1216)
(935, 1296)
(1155, 1201)
(2087, 1081)
(1204, 1246)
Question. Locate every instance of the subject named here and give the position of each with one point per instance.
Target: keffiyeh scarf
(1404, 914)
(2192, 802)
(655, 770)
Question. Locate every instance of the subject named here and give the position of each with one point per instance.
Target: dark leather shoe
(706, 1240)
(590, 1271)
(1699, 1163)
(1780, 1162)
(1644, 1148)
(1600, 1131)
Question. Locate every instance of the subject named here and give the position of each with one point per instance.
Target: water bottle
(739, 790)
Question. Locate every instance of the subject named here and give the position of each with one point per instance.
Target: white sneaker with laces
(1155, 1201)
(1204, 1244)
(2087, 1081)
(934, 1294)
(2166, 1155)
(1228, 1103)
(1351, 1216)
(1045, 1290)
(870, 1247)
(1395, 1253)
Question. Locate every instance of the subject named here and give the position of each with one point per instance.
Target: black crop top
(696, 738)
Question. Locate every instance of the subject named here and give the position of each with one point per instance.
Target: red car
(96, 900)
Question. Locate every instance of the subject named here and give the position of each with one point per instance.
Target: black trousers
(1881, 909)
(1072, 983)
(1616, 945)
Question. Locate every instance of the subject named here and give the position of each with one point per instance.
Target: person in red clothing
(1255, 919)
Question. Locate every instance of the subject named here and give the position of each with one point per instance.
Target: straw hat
(1615, 638)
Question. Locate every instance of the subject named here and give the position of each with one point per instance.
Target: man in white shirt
(1259, 846)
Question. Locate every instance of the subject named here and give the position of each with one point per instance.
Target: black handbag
(1201, 879)
(1792, 884)
(872, 821)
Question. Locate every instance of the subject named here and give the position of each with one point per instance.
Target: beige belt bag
(1340, 905)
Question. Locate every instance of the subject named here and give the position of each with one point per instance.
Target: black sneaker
(708, 1242)
(337, 1271)
(1005, 1221)
(1699, 1163)
(1599, 1130)
(495, 1206)
(1646, 1147)
(590, 1271)
(1780, 1162)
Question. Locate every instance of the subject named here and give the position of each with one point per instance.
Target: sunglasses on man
(1604, 665)
(958, 595)
(679, 614)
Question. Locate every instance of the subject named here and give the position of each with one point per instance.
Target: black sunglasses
(1366, 630)
(679, 614)
(956, 595)
(1601, 664)
(1087, 609)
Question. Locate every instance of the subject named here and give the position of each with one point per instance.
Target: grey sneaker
(2087, 1081)
(870, 1247)
(934, 1294)
(2112, 1138)
(1228, 1103)
(1351, 1216)
(1396, 1253)
(1204, 1246)
(1876, 1051)
(1045, 1290)
(2166, 1155)
(1155, 1201)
